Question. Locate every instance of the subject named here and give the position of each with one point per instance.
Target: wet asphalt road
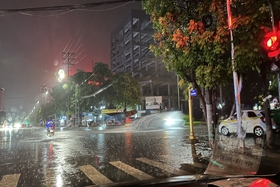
(80, 156)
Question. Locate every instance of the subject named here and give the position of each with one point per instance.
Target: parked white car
(251, 123)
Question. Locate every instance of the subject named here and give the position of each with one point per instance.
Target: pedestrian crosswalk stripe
(10, 180)
(182, 161)
(162, 166)
(95, 176)
(131, 170)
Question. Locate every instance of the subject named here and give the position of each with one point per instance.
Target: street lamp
(61, 75)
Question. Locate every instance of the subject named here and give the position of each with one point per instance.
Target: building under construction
(130, 53)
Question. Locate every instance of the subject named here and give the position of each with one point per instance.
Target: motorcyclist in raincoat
(49, 124)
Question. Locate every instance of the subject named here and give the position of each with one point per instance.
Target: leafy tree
(194, 40)
(102, 73)
(81, 84)
(59, 94)
(125, 92)
(196, 53)
(103, 78)
(47, 110)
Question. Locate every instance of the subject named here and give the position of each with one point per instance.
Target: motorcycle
(50, 131)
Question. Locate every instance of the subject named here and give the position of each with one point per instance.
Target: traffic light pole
(235, 76)
(274, 30)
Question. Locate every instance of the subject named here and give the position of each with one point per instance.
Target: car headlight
(169, 121)
(17, 125)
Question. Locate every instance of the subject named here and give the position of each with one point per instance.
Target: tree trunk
(209, 106)
(201, 98)
(215, 112)
(269, 134)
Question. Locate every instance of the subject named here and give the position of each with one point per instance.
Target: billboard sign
(153, 102)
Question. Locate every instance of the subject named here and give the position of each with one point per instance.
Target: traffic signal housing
(271, 43)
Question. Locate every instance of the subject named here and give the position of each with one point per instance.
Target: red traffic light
(272, 43)
(272, 40)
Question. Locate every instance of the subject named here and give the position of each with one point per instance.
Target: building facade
(130, 52)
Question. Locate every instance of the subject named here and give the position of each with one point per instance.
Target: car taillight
(263, 119)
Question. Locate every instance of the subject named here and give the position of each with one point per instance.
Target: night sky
(31, 44)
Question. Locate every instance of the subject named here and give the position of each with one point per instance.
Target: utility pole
(43, 93)
(67, 61)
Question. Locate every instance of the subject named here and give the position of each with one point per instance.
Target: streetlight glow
(61, 75)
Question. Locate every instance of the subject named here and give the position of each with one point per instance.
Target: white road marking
(131, 170)
(182, 161)
(10, 180)
(162, 166)
(95, 176)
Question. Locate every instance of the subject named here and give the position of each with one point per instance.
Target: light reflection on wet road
(74, 156)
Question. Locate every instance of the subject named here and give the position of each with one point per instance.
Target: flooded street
(83, 156)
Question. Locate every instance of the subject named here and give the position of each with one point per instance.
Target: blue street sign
(193, 93)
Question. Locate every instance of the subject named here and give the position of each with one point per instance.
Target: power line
(89, 41)
(100, 90)
(106, 9)
(86, 39)
(75, 48)
(68, 43)
(62, 7)
(68, 60)
(51, 15)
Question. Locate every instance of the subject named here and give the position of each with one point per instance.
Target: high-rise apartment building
(130, 52)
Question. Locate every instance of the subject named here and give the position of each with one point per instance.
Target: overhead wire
(64, 50)
(67, 43)
(105, 31)
(51, 15)
(75, 50)
(78, 40)
(107, 9)
(67, 8)
(69, 49)
(86, 39)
